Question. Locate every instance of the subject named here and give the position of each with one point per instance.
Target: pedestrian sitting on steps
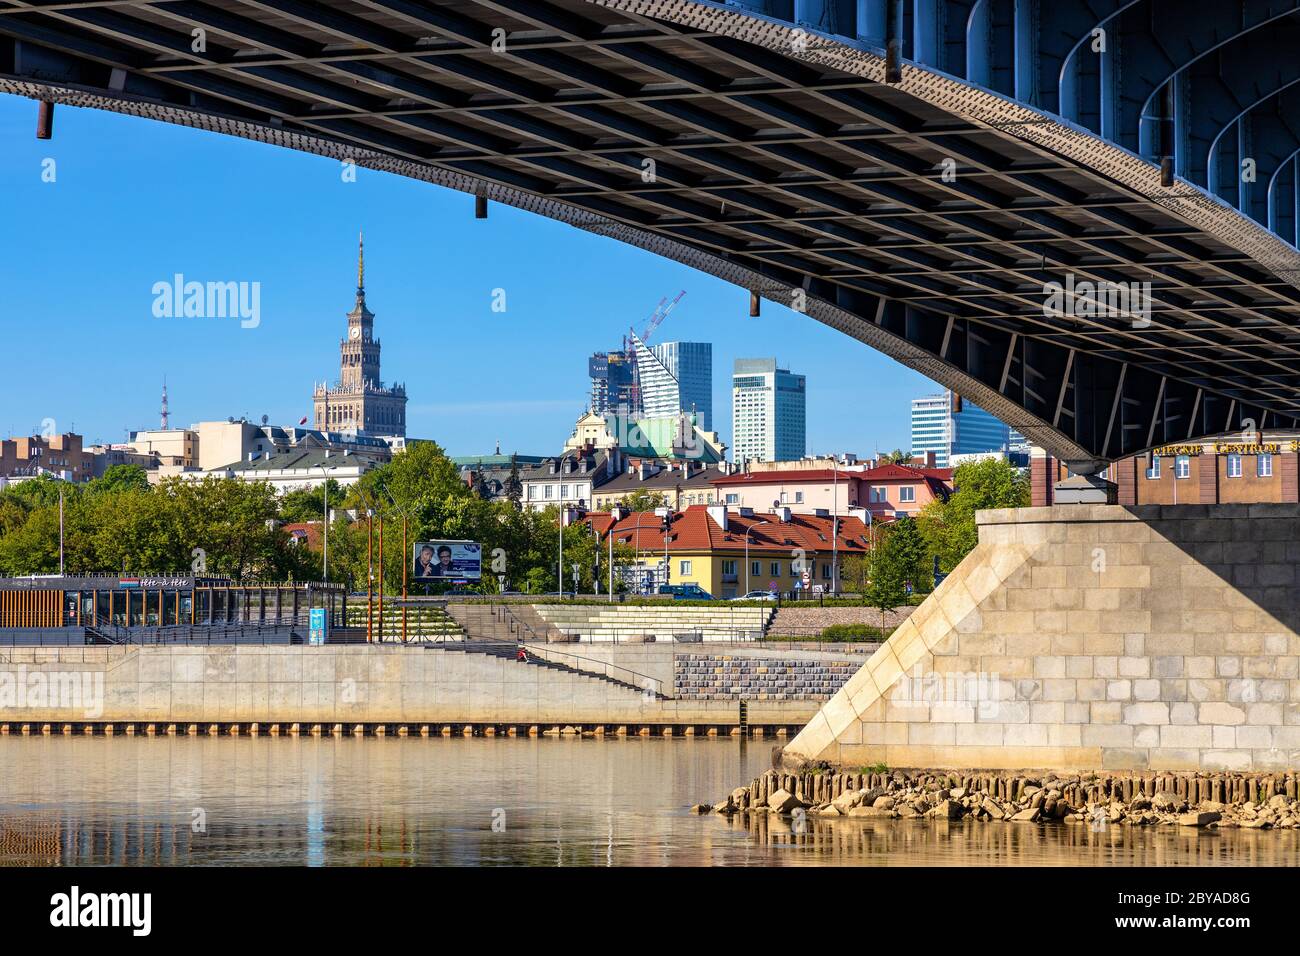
(522, 656)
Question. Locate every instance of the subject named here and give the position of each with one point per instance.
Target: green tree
(886, 588)
(308, 504)
(120, 478)
(514, 487)
(896, 457)
(910, 550)
(642, 500)
(949, 526)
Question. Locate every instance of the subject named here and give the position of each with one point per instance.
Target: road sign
(806, 578)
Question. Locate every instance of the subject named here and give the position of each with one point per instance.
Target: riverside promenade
(660, 689)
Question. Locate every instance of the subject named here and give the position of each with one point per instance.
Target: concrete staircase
(499, 630)
(625, 623)
(423, 625)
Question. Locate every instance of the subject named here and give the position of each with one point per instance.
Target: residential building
(948, 425)
(297, 468)
(61, 456)
(885, 489)
(768, 412)
(569, 479)
(1230, 469)
(359, 402)
(680, 483)
(224, 443)
(493, 470)
(729, 551)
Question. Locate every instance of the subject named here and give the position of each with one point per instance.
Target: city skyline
(418, 281)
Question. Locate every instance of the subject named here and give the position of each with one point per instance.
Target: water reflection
(545, 802)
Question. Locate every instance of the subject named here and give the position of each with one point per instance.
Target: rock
(957, 792)
(908, 811)
(870, 812)
(947, 810)
(1279, 801)
(992, 809)
(726, 806)
(700, 808)
(783, 801)
(1139, 803)
(830, 810)
(847, 800)
(738, 795)
(1164, 800)
(1198, 819)
(883, 803)
(1029, 815)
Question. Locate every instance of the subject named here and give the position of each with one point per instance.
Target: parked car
(686, 592)
(757, 596)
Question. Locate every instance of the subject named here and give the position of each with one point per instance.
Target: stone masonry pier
(1090, 637)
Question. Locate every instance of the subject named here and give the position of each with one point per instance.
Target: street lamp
(749, 532)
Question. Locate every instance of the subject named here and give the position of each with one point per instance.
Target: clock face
(356, 332)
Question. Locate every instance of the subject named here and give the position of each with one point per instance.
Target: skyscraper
(359, 402)
(768, 412)
(675, 377)
(611, 382)
(947, 427)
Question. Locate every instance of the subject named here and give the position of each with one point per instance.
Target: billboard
(446, 561)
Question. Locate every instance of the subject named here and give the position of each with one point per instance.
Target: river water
(546, 802)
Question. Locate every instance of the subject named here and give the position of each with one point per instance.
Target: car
(686, 592)
(757, 596)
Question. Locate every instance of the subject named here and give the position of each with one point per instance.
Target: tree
(308, 504)
(949, 526)
(896, 457)
(886, 588)
(514, 488)
(909, 549)
(642, 500)
(120, 478)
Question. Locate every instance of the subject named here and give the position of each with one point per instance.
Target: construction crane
(656, 319)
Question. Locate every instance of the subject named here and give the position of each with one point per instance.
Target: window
(564, 491)
(798, 497)
(733, 499)
(1183, 467)
(907, 493)
(879, 494)
(1234, 466)
(532, 492)
(684, 566)
(785, 498)
(728, 567)
(756, 568)
(776, 569)
(1153, 470)
(826, 572)
(1264, 466)
(550, 491)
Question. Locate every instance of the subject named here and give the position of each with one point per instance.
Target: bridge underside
(926, 218)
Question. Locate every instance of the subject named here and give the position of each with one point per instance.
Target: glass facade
(937, 427)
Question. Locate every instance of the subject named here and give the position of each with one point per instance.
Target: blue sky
(136, 201)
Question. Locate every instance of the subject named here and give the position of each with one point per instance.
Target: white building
(768, 412)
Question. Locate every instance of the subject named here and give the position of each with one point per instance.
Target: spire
(361, 263)
(164, 404)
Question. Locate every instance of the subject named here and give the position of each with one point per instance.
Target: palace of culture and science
(359, 402)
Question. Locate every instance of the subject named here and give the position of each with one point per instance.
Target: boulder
(1164, 800)
(947, 810)
(870, 812)
(883, 803)
(700, 808)
(1198, 818)
(847, 800)
(1028, 815)
(783, 801)
(992, 809)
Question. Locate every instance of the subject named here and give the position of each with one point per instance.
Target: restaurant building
(1232, 469)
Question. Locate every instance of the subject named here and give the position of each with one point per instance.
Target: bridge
(920, 174)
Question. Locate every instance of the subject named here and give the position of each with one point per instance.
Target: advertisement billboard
(446, 561)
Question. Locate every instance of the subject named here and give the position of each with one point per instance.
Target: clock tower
(359, 402)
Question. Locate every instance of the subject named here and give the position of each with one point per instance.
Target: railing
(622, 675)
(227, 633)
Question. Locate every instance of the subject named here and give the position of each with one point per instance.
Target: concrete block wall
(331, 684)
(1091, 637)
(733, 677)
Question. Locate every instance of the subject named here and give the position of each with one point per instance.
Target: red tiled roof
(784, 477)
(694, 530)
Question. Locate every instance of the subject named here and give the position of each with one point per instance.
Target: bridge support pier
(1089, 637)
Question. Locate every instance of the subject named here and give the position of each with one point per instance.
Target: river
(545, 802)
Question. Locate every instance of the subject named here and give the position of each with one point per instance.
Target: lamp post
(325, 493)
(749, 532)
(370, 572)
